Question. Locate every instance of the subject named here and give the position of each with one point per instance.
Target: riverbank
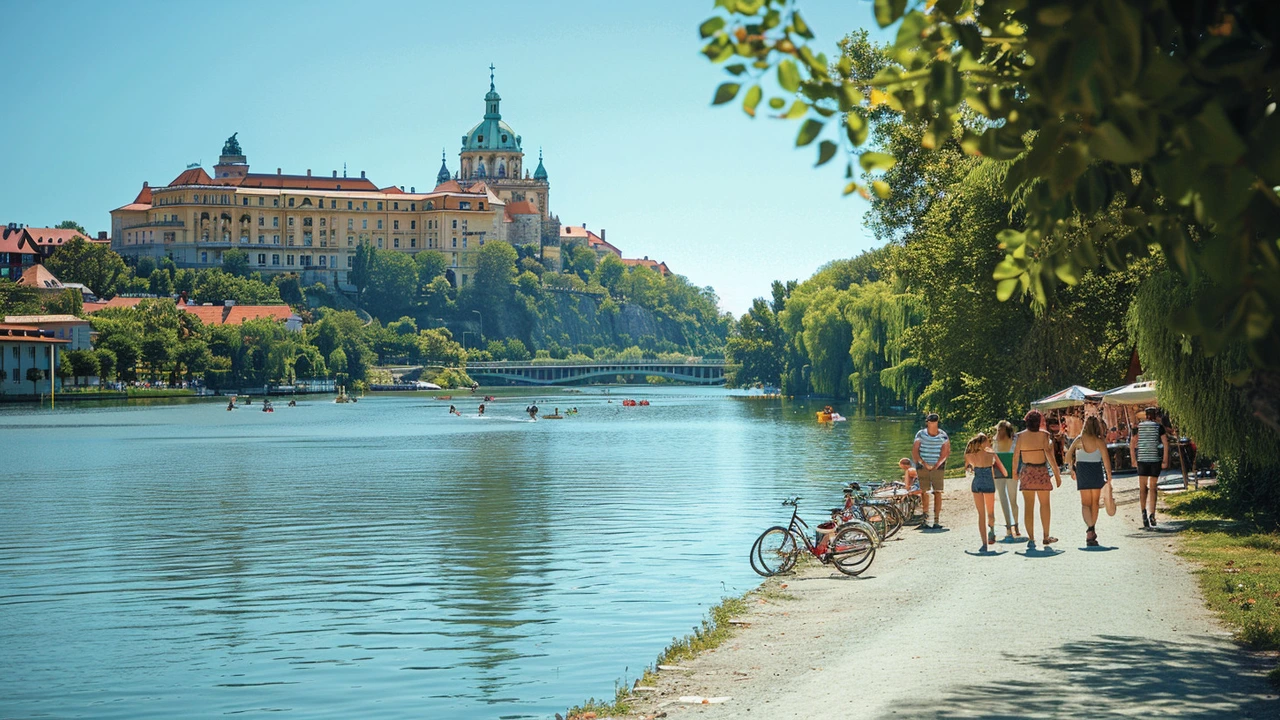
(935, 630)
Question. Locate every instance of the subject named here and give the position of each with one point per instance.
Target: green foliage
(289, 286)
(215, 286)
(361, 272)
(67, 302)
(1197, 390)
(70, 225)
(18, 299)
(392, 284)
(1127, 128)
(146, 265)
(431, 265)
(91, 264)
(235, 262)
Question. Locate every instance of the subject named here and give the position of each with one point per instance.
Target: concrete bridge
(567, 372)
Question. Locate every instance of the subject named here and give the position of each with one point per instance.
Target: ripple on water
(329, 560)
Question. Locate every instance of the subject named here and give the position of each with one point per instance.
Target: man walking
(930, 452)
(1144, 450)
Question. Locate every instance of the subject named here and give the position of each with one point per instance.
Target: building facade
(312, 224)
(23, 348)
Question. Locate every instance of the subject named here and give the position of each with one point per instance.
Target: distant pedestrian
(1007, 479)
(1059, 440)
(930, 452)
(979, 456)
(1088, 455)
(1033, 451)
(1150, 458)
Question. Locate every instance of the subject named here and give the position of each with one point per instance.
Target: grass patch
(712, 633)
(1239, 569)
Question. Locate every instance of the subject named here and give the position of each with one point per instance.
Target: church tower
(492, 152)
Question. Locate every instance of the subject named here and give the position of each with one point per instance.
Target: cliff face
(581, 318)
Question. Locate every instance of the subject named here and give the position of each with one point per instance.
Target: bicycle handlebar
(791, 501)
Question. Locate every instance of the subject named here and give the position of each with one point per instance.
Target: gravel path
(934, 630)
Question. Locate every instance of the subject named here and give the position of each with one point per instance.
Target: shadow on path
(1110, 676)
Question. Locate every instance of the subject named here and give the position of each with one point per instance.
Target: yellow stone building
(312, 224)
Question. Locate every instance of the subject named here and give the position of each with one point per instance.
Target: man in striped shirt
(930, 452)
(1145, 449)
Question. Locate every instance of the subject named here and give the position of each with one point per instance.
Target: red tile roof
(144, 195)
(208, 314)
(16, 240)
(192, 176)
(134, 206)
(522, 207)
(236, 314)
(393, 190)
(57, 236)
(39, 277)
(646, 262)
(115, 302)
(301, 182)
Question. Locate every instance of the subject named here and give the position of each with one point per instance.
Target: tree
(609, 272)
(160, 284)
(1155, 109)
(289, 285)
(361, 272)
(34, 376)
(106, 363)
(392, 284)
(157, 351)
(757, 345)
(66, 302)
(84, 363)
(578, 260)
(18, 299)
(91, 264)
(216, 286)
(146, 265)
(431, 265)
(235, 262)
(71, 225)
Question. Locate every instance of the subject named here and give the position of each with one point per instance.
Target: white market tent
(1142, 393)
(1071, 397)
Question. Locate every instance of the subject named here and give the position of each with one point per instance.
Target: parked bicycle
(850, 546)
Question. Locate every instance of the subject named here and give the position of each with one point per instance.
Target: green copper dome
(491, 133)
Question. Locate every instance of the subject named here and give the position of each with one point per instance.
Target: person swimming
(482, 408)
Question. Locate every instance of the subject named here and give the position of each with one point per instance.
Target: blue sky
(102, 96)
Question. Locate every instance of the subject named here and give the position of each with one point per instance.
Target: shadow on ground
(1113, 676)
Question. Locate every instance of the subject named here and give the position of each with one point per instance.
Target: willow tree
(1164, 110)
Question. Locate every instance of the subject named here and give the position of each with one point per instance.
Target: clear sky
(103, 96)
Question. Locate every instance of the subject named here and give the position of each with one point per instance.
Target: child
(909, 476)
(979, 456)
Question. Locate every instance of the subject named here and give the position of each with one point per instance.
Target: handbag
(1109, 500)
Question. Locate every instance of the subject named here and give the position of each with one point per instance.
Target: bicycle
(881, 513)
(908, 504)
(850, 546)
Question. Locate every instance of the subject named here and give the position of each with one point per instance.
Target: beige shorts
(931, 480)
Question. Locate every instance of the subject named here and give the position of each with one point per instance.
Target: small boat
(552, 417)
(644, 403)
(444, 397)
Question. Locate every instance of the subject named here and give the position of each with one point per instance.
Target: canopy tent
(1071, 397)
(1142, 393)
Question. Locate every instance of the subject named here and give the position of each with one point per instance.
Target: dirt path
(935, 631)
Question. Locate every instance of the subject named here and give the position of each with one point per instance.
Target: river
(386, 558)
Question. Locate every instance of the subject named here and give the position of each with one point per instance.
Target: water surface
(386, 558)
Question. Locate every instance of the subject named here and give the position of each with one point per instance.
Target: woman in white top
(1088, 454)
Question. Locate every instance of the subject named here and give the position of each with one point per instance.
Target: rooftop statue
(232, 146)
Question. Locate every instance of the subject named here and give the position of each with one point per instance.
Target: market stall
(1071, 406)
(1123, 408)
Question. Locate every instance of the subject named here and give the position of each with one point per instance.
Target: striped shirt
(1149, 433)
(931, 445)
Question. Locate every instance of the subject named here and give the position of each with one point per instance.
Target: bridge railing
(545, 363)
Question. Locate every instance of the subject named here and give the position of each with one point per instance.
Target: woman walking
(1088, 454)
(1033, 449)
(979, 456)
(1006, 483)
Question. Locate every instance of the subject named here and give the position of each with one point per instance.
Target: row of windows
(205, 199)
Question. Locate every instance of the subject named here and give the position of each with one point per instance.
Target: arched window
(502, 170)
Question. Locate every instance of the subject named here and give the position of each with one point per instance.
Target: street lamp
(477, 314)
(465, 333)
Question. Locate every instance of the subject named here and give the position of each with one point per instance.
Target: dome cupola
(491, 133)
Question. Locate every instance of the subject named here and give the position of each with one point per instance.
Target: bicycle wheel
(893, 514)
(875, 516)
(774, 552)
(852, 549)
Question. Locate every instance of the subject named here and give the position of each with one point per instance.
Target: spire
(541, 172)
(491, 99)
(444, 174)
